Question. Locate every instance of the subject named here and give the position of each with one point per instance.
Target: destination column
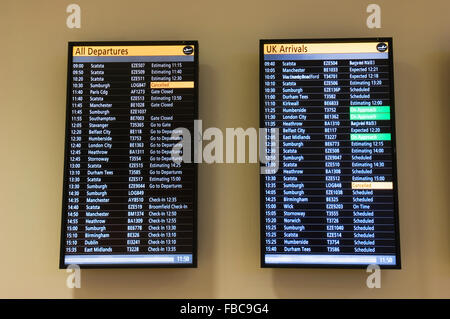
(106, 158)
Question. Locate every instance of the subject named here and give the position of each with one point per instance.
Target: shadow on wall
(168, 283)
(444, 109)
(315, 283)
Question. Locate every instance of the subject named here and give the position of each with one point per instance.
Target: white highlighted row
(330, 259)
(127, 259)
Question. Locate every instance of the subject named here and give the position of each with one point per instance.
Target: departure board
(126, 201)
(332, 201)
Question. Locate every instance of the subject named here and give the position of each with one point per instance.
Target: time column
(270, 180)
(75, 176)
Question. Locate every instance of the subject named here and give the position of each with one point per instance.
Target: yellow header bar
(131, 50)
(312, 48)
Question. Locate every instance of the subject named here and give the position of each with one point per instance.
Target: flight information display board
(332, 202)
(126, 203)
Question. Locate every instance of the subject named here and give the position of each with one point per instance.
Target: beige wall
(32, 96)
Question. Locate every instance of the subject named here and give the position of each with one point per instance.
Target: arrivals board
(332, 199)
(126, 202)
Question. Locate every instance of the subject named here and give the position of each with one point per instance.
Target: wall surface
(33, 60)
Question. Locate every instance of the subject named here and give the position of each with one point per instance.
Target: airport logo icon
(188, 50)
(381, 47)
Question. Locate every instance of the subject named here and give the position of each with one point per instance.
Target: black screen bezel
(62, 265)
(388, 40)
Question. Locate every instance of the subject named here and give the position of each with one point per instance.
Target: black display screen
(332, 201)
(126, 203)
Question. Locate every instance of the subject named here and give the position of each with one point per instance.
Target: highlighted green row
(371, 137)
(370, 109)
(370, 116)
